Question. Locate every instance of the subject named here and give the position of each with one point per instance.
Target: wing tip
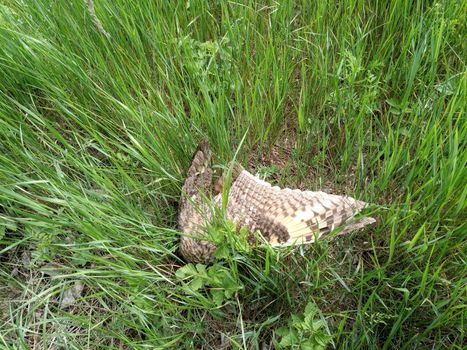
(357, 225)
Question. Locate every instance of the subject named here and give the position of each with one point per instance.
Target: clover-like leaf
(186, 271)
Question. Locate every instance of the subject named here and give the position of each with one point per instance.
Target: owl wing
(286, 216)
(194, 212)
(198, 183)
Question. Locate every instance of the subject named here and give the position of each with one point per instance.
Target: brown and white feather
(282, 216)
(286, 216)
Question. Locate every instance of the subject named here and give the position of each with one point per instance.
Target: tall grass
(360, 97)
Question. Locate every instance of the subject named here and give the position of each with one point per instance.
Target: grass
(360, 97)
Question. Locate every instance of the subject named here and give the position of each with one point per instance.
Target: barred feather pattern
(194, 212)
(286, 216)
(282, 216)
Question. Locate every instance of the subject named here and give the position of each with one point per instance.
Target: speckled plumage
(282, 216)
(193, 211)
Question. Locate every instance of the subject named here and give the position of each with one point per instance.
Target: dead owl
(283, 216)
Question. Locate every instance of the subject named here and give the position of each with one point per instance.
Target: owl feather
(283, 216)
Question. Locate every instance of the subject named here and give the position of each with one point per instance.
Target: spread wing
(285, 216)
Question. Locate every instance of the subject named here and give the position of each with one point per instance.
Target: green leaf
(229, 292)
(221, 252)
(310, 312)
(317, 325)
(310, 309)
(291, 338)
(282, 331)
(393, 103)
(322, 339)
(297, 321)
(196, 283)
(309, 345)
(217, 296)
(186, 271)
(201, 269)
(215, 274)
